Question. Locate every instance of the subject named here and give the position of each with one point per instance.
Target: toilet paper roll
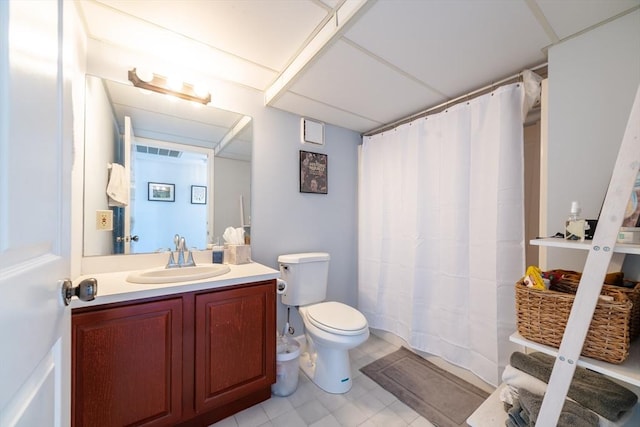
(281, 286)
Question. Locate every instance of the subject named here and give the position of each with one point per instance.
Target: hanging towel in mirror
(118, 186)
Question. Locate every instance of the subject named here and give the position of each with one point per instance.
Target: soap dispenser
(575, 226)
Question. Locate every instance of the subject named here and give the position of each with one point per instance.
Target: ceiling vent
(158, 151)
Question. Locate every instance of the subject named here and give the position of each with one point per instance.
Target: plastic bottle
(575, 225)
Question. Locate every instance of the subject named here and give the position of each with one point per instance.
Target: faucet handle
(172, 261)
(182, 245)
(190, 261)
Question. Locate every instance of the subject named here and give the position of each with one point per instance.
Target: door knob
(85, 291)
(133, 238)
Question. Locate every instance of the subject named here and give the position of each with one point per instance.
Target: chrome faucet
(180, 248)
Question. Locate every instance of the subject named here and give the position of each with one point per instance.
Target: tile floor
(366, 404)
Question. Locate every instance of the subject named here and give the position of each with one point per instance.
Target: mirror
(171, 167)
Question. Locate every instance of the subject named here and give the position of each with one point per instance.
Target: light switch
(104, 220)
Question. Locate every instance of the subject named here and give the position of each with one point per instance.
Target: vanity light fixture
(160, 84)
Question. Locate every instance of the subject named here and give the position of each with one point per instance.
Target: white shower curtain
(441, 230)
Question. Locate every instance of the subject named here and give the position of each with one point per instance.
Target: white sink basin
(169, 275)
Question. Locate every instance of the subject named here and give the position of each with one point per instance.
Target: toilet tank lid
(303, 257)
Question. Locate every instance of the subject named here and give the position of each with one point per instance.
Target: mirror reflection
(156, 166)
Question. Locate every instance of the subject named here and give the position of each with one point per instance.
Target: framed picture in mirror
(161, 192)
(198, 195)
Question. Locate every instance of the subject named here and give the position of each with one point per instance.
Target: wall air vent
(311, 131)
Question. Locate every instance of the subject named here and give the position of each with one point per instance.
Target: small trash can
(287, 360)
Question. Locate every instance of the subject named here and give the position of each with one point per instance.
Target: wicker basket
(542, 317)
(571, 280)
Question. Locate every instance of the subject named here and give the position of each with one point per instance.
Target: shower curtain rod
(540, 70)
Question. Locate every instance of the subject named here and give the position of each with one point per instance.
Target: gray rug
(437, 395)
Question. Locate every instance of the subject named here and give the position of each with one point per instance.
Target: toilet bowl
(331, 330)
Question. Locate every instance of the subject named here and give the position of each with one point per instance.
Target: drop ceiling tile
(238, 150)
(453, 46)
(113, 60)
(268, 33)
(166, 118)
(168, 106)
(331, 3)
(569, 17)
(356, 82)
(172, 128)
(306, 107)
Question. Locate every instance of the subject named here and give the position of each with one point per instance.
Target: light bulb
(144, 75)
(174, 83)
(200, 90)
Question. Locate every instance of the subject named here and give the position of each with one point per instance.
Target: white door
(126, 151)
(35, 170)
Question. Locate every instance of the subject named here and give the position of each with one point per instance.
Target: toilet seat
(336, 318)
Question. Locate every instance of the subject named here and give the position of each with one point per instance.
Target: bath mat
(439, 396)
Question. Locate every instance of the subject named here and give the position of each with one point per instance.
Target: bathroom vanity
(187, 353)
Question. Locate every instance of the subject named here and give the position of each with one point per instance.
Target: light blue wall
(287, 221)
(188, 220)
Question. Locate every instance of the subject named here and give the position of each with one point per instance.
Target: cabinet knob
(85, 291)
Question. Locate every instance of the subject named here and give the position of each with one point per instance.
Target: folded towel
(509, 397)
(118, 186)
(572, 414)
(590, 389)
(515, 415)
(515, 378)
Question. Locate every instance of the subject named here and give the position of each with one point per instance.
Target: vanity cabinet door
(234, 345)
(127, 365)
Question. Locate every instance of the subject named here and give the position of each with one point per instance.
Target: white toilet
(331, 328)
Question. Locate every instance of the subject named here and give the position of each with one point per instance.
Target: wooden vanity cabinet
(234, 331)
(127, 365)
(188, 359)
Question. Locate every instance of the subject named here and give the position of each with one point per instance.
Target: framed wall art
(313, 172)
(161, 192)
(198, 195)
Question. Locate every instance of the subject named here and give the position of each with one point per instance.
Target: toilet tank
(306, 276)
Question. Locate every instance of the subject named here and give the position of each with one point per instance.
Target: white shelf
(556, 242)
(628, 371)
(492, 414)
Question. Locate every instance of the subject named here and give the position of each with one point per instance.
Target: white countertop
(113, 287)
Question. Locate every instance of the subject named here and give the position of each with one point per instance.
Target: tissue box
(237, 254)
